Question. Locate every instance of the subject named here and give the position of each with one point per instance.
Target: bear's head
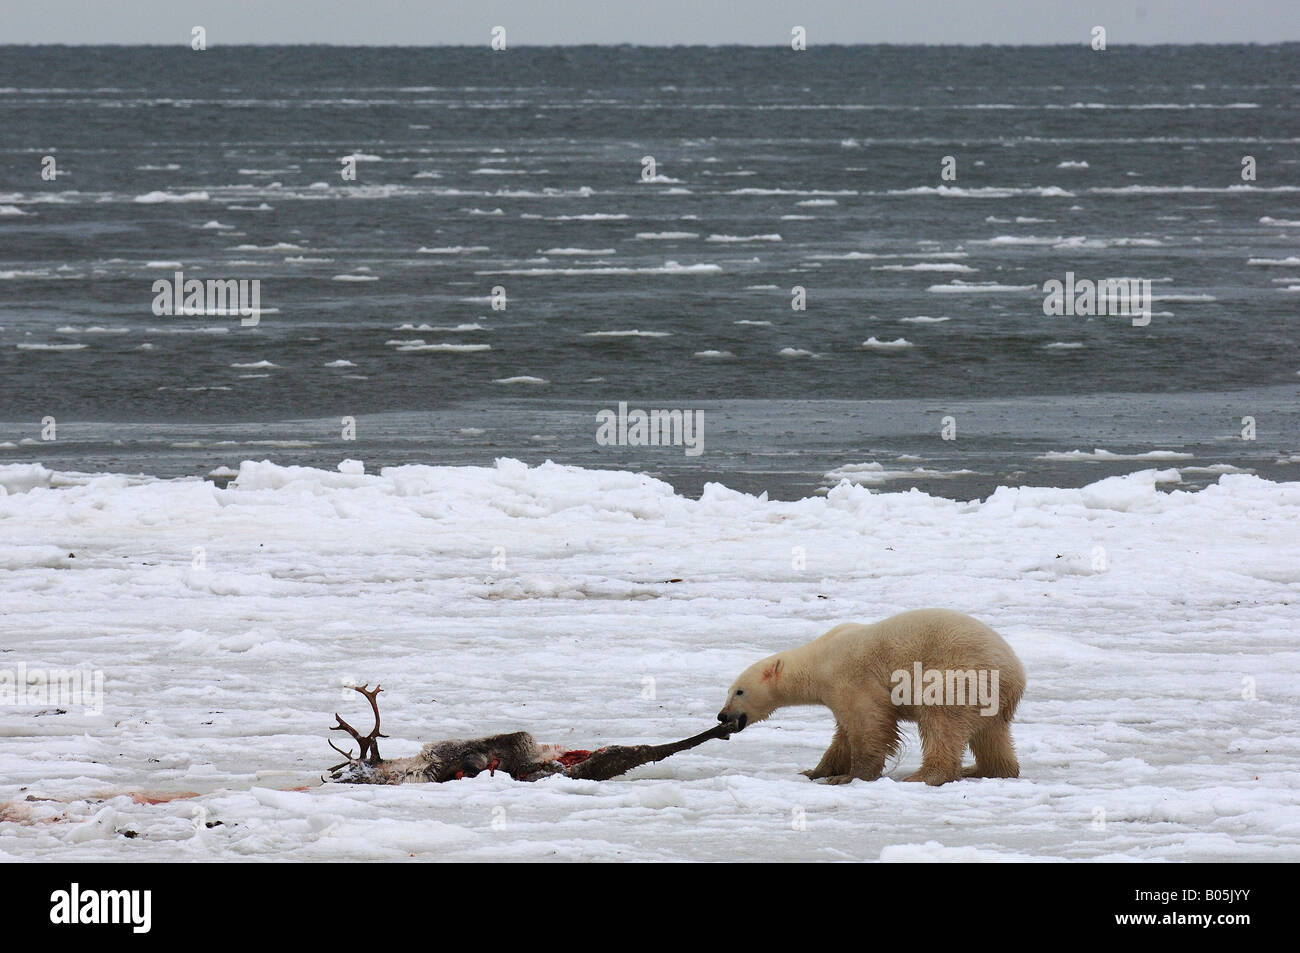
(753, 696)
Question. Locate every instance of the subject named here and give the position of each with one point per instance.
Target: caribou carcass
(517, 754)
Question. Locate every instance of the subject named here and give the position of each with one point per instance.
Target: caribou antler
(369, 744)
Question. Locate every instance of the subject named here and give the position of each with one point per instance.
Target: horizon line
(647, 46)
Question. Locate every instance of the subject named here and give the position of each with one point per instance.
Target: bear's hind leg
(995, 755)
(835, 760)
(943, 740)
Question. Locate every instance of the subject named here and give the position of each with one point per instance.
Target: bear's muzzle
(737, 722)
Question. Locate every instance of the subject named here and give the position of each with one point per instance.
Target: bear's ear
(773, 670)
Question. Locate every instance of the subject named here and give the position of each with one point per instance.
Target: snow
(589, 607)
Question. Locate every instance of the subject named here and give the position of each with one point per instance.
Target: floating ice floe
(898, 344)
(628, 334)
(1108, 455)
(154, 198)
(950, 266)
(964, 287)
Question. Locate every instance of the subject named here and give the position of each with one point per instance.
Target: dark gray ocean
(667, 287)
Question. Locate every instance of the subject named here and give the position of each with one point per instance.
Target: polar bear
(951, 674)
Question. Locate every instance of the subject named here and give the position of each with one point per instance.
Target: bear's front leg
(867, 768)
(872, 737)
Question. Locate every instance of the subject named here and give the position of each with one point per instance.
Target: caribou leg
(609, 762)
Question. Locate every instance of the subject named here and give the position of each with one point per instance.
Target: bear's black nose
(722, 716)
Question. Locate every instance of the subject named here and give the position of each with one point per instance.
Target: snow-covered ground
(592, 607)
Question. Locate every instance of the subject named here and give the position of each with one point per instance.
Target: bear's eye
(739, 692)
